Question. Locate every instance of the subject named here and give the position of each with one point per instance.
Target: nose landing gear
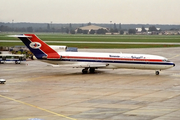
(85, 71)
(157, 72)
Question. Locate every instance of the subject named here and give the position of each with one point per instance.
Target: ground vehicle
(2, 81)
(12, 57)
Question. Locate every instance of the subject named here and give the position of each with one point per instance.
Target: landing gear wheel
(84, 71)
(157, 73)
(92, 70)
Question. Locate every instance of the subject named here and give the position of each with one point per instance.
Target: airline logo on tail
(35, 45)
(39, 48)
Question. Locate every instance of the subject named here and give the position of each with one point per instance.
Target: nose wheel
(157, 72)
(85, 71)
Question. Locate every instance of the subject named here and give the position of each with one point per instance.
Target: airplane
(89, 61)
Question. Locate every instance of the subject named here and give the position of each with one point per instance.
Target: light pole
(110, 24)
(51, 25)
(12, 26)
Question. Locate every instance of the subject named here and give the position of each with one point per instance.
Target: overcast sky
(94, 11)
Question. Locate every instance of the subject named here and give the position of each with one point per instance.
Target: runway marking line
(174, 56)
(8, 69)
(24, 118)
(54, 113)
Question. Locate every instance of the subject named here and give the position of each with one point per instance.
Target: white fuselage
(113, 60)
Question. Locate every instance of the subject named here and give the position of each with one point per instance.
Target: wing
(83, 65)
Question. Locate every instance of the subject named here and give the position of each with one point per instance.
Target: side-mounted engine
(58, 48)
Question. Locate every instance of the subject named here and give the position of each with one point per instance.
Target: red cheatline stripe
(104, 58)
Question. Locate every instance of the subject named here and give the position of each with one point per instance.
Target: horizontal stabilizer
(22, 35)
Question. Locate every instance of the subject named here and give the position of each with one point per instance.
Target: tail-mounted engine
(59, 48)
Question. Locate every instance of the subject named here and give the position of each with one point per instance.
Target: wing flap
(82, 65)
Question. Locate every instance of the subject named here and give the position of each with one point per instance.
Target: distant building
(139, 31)
(147, 29)
(18, 48)
(91, 27)
(171, 32)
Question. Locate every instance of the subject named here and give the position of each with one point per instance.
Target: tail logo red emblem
(35, 45)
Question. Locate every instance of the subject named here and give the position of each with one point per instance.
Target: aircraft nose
(173, 64)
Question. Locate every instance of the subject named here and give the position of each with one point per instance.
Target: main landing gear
(157, 72)
(85, 71)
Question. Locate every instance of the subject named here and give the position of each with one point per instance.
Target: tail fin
(39, 48)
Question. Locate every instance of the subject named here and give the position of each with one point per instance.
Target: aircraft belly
(138, 66)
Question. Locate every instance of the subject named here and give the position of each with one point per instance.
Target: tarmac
(36, 91)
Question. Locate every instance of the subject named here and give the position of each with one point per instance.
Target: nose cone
(173, 64)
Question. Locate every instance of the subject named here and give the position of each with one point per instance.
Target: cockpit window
(166, 60)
